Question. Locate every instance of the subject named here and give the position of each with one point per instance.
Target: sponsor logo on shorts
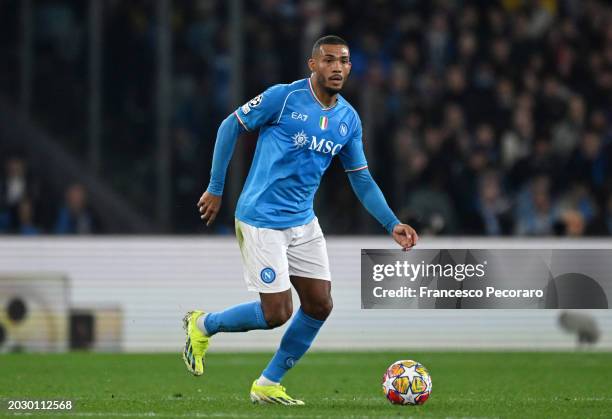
(267, 275)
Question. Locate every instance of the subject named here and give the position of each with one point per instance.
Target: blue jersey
(298, 137)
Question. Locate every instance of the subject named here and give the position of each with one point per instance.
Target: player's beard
(322, 81)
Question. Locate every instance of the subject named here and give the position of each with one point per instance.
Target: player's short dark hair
(327, 40)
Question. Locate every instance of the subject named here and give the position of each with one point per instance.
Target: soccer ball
(406, 382)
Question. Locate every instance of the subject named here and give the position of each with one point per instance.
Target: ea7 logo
(301, 116)
(324, 146)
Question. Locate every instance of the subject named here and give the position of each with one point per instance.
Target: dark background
(480, 117)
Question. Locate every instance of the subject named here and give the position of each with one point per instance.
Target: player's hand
(209, 206)
(405, 236)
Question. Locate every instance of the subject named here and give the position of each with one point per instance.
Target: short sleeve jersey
(298, 137)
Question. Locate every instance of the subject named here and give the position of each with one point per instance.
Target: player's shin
(238, 318)
(295, 342)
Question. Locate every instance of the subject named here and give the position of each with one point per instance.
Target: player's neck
(326, 99)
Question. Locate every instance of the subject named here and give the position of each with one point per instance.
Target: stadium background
(481, 118)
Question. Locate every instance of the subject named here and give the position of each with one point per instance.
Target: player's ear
(311, 64)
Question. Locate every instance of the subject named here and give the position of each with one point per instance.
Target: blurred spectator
(567, 132)
(432, 211)
(540, 161)
(15, 186)
(578, 198)
(571, 223)
(74, 217)
(588, 163)
(25, 217)
(493, 208)
(438, 42)
(602, 224)
(517, 142)
(536, 211)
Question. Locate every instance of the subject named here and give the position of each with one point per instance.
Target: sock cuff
(310, 321)
(259, 316)
(201, 324)
(210, 326)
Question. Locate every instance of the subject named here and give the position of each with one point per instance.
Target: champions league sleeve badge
(253, 103)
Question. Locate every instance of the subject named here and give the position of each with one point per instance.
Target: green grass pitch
(341, 384)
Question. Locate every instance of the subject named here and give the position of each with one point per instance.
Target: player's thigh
(307, 255)
(264, 258)
(311, 289)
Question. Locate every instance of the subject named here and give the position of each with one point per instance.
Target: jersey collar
(323, 107)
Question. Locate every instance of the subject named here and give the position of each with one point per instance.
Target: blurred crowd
(480, 117)
(497, 115)
(22, 200)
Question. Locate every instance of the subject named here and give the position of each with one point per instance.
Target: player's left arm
(369, 194)
(373, 200)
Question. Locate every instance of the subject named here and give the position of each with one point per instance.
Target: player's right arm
(210, 201)
(262, 109)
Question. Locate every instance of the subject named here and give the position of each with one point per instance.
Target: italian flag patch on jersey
(323, 122)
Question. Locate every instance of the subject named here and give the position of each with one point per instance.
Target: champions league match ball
(407, 383)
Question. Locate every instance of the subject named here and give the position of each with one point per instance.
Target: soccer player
(302, 126)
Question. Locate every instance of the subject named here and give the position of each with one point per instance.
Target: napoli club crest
(343, 128)
(267, 275)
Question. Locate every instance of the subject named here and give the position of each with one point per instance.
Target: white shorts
(271, 256)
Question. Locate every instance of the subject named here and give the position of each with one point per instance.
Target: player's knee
(278, 314)
(278, 319)
(329, 305)
(325, 308)
(320, 309)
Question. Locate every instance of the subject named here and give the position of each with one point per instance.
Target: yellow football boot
(275, 394)
(196, 344)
